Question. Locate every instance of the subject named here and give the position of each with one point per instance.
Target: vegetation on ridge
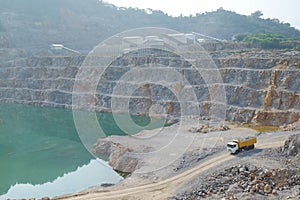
(270, 41)
(83, 24)
(225, 24)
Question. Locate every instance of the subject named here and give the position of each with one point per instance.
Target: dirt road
(165, 188)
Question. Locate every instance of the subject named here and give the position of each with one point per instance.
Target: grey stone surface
(260, 87)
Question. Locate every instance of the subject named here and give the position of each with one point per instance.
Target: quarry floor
(170, 165)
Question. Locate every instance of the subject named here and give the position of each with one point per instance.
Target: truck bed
(246, 142)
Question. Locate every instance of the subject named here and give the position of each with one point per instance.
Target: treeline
(220, 23)
(91, 21)
(225, 24)
(269, 41)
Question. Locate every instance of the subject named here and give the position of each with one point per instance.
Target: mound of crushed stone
(245, 179)
(291, 146)
(251, 182)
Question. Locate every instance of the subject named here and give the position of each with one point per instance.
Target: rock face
(44, 81)
(117, 155)
(261, 87)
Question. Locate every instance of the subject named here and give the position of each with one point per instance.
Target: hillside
(83, 24)
(225, 24)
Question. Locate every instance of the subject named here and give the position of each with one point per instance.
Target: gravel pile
(291, 127)
(245, 179)
(291, 146)
(203, 128)
(248, 181)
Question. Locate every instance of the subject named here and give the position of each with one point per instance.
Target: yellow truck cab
(238, 145)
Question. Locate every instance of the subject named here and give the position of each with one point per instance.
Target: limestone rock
(267, 189)
(203, 128)
(255, 90)
(248, 182)
(235, 188)
(120, 160)
(119, 156)
(292, 145)
(102, 148)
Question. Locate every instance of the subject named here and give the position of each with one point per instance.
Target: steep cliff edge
(261, 86)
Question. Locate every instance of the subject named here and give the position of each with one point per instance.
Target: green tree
(99, 20)
(257, 14)
(240, 37)
(270, 41)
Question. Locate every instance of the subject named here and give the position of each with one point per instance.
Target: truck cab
(232, 147)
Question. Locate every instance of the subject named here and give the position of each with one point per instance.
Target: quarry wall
(261, 86)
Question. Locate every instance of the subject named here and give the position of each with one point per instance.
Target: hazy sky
(284, 10)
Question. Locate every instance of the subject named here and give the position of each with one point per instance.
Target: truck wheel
(251, 147)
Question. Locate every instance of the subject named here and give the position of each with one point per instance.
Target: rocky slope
(261, 86)
(247, 181)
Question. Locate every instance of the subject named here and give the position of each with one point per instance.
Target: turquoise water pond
(40, 151)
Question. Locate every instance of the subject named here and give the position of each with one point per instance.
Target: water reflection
(94, 173)
(39, 144)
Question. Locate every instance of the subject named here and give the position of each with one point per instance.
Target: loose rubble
(291, 146)
(204, 128)
(248, 181)
(291, 127)
(245, 179)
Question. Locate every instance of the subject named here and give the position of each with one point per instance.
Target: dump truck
(240, 145)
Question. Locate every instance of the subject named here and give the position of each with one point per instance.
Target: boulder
(121, 160)
(119, 156)
(267, 189)
(102, 148)
(292, 145)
